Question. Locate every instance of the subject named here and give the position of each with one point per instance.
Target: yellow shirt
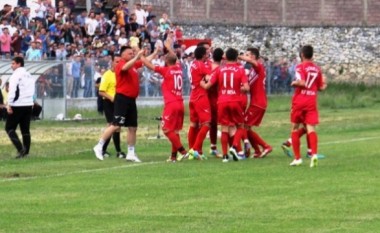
(108, 83)
(5, 95)
(134, 41)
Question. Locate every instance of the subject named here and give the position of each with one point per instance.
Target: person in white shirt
(19, 108)
(140, 15)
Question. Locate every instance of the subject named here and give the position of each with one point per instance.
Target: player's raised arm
(131, 62)
(168, 45)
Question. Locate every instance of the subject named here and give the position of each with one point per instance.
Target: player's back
(172, 84)
(256, 80)
(311, 74)
(198, 72)
(230, 79)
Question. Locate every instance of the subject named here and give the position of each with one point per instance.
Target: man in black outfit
(19, 108)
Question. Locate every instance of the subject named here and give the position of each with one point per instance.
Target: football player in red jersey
(173, 113)
(200, 112)
(308, 81)
(231, 81)
(258, 102)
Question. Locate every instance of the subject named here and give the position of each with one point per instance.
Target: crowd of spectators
(87, 40)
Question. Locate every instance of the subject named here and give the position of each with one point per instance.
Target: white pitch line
(149, 163)
(78, 172)
(349, 140)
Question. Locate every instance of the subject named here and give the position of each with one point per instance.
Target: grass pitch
(62, 187)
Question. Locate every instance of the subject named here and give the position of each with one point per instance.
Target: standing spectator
(25, 18)
(61, 53)
(91, 24)
(164, 23)
(5, 40)
(69, 76)
(16, 43)
(41, 10)
(76, 72)
(154, 36)
(56, 83)
(140, 15)
(125, 114)
(88, 75)
(309, 80)
(33, 53)
(19, 108)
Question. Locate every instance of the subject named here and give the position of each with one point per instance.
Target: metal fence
(72, 84)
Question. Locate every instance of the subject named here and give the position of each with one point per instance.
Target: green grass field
(62, 187)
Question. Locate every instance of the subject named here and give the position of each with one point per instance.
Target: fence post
(65, 87)
(207, 9)
(245, 11)
(365, 11)
(283, 11)
(171, 9)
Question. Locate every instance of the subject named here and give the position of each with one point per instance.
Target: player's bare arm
(105, 95)
(167, 44)
(131, 62)
(147, 63)
(248, 59)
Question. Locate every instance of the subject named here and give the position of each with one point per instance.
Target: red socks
(296, 144)
(312, 139)
(175, 141)
(224, 141)
(200, 138)
(192, 136)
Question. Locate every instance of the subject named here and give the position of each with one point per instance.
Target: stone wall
(345, 53)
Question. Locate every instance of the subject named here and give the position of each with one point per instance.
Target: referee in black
(19, 108)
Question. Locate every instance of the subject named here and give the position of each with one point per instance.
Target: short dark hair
(200, 52)
(254, 51)
(232, 54)
(19, 60)
(217, 55)
(123, 48)
(202, 43)
(115, 55)
(307, 51)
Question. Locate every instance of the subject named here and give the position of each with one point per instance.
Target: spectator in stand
(164, 23)
(41, 10)
(151, 23)
(154, 36)
(6, 12)
(123, 41)
(133, 25)
(91, 23)
(61, 53)
(140, 15)
(33, 53)
(16, 43)
(5, 40)
(25, 18)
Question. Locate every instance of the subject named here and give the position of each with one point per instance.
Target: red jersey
(256, 79)
(198, 71)
(312, 75)
(229, 79)
(213, 91)
(127, 82)
(172, 84)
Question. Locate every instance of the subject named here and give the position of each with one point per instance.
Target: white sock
(101, 142)
(131, 150)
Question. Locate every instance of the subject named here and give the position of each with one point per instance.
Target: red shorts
(305, 114)
(254, 115)
(172, 116)
(230, 114)
(200, 111)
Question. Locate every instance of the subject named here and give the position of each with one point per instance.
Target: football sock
(101, 142)
(116, 141)
(301, 132)
(251, 139)
(296, 145)
(213, 147)
(192, 136)
(313, 138)
(259, 140)
(105, 145)
(131, 150)
(224, 141)
(173, 138)
(237, 139)
(200, 138)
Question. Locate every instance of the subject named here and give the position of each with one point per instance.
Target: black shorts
(108, 108)
(125, 113)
